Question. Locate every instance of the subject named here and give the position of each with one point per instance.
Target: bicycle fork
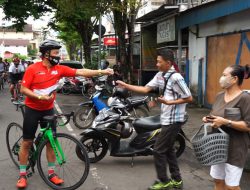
(60, 157)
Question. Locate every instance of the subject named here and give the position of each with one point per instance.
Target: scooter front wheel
(84, 116)
(95, 146)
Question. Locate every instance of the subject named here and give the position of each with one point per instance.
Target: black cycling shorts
(31, 119)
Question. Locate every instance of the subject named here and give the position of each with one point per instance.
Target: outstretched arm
(134, 88)
(91, 73)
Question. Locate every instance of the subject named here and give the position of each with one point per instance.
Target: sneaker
(177, 184)
(158, 185)
(55, 179)
(22, 182)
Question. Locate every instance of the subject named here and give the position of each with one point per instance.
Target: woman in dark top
(227, 175)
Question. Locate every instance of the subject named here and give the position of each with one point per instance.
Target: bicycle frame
(47, 133)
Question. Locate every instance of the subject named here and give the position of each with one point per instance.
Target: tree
(80, 14)
(83, 16)
(125, 12)
(71, 39)
(21, 10)
(31, 52)
(134, 6)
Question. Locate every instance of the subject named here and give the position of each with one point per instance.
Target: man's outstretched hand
(121, 83)
(108, 71)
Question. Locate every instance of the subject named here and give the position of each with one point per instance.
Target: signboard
(166, 31)
(110, 41)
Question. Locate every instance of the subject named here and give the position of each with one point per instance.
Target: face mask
(225, 82)
(54, 60)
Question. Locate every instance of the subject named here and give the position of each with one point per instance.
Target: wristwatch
(229, 123)
(99, 72)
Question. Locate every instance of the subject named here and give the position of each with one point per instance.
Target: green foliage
(94, 62)
(32, 52)
(19, 56)
(70, 37)
(20, 10)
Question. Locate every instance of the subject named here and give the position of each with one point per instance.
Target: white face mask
(225, 81)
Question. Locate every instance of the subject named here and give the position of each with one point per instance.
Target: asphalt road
(110, 173)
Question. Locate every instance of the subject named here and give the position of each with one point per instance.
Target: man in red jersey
(39, 84)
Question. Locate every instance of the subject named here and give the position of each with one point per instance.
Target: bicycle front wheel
(14, 138)
(73, 170)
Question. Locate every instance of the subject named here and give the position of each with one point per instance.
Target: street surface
(110, 173)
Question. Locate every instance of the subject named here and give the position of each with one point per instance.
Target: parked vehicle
(71, 84)
(113, 132)
(87, 111)
(72, 64)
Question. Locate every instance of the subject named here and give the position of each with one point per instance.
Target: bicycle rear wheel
(14, 138)
(73, 171)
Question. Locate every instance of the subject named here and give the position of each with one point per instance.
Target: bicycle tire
(76, 163)
(2, 83)
(84, 116)
(14, 155)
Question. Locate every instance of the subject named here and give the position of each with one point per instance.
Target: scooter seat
(146, 124)
(135, 99)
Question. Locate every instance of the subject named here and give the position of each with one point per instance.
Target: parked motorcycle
(88, 87)
(71, 84)
(87, 111)
(113, 132)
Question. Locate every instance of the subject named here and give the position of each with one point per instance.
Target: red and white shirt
(42, 81)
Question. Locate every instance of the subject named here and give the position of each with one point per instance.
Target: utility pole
(100, 41)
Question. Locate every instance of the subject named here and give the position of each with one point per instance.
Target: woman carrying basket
(227, 175)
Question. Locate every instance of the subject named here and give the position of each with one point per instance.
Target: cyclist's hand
(121, 83)
(47, 97)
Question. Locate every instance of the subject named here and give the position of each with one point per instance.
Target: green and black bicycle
(68, 166)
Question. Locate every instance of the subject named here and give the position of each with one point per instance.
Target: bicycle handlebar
(67, 115)
(19, 104)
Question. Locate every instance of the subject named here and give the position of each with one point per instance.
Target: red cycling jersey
(42, 81)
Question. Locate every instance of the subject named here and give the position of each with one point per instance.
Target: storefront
(159, 31)
(218, 37)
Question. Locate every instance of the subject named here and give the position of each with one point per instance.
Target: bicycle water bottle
(38, 139)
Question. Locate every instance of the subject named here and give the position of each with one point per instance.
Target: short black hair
(166, 54)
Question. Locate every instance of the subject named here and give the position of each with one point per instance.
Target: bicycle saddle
(147, 124)
(49, 118)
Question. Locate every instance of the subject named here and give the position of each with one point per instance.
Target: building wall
(17, 35)
(198, 41)
(147, 6)
(20, 49)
